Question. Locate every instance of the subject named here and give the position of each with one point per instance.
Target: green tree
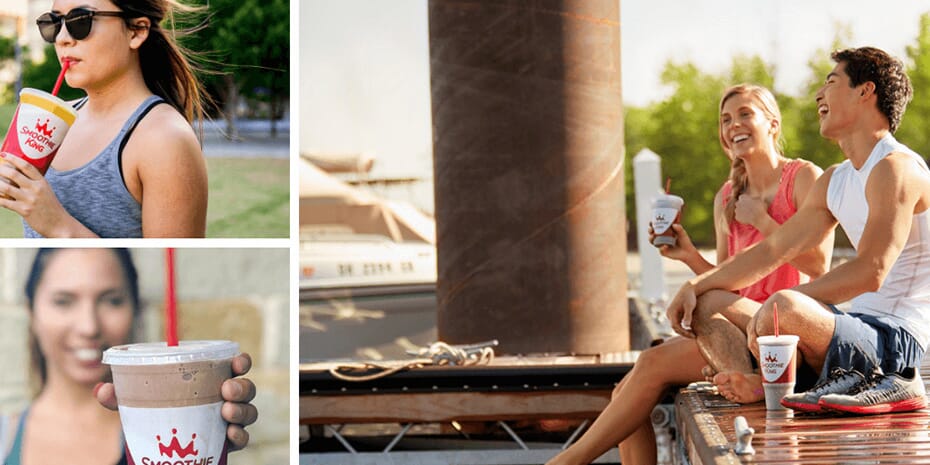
(683, 131)
(800, 115)
(913, 129)
(250, 43)
(7, 55)
(43, 74)
(752, 69)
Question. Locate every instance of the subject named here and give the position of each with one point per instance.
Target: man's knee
(792, 309)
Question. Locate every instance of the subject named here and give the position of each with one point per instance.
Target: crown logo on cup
(771, 359)
(43, 128)
(174, 447)
(660, 217)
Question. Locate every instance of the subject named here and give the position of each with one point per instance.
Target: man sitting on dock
(867, 358)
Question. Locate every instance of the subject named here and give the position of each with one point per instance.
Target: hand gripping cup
(38, 127)
(666, 210)
(169, 400)
(779, 366)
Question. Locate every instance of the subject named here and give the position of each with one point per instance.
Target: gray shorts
(863, 342)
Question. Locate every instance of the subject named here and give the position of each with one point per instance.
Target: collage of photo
(483, 232)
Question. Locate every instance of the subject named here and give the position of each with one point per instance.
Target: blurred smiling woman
(80, 303)
(131, 165)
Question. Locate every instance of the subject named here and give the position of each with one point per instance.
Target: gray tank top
(95, 194)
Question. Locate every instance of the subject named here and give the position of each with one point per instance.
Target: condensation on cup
(778, 365)
(666, 211)
(39, 126)
(169, 400)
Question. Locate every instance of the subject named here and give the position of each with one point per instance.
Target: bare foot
(744, 388)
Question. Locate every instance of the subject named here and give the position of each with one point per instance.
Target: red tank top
(743, 235)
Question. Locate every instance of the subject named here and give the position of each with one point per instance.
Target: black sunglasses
(78, 21)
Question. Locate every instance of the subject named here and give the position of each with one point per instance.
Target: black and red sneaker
(838, 381)
(881, 393)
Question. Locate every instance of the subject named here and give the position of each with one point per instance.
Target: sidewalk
(255, 139)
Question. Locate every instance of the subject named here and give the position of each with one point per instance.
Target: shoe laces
(837, 375)
(869, 382)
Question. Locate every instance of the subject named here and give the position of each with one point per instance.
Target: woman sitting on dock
(764, 190)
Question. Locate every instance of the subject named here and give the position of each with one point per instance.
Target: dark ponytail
(166, 65)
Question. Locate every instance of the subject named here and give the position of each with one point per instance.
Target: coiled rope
(438, 353)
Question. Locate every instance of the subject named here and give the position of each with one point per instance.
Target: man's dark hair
(892, 87)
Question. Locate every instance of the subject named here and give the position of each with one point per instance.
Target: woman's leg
(640, 447)
(672, 363)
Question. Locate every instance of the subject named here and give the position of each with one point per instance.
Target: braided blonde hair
(739, 181)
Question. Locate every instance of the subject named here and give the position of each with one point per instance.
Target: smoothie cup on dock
(169, 400)
(778, 365)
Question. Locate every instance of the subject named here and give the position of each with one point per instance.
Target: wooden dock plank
(705, 422)
(446, 407)
(456, 394)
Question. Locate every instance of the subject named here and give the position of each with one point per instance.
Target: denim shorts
(863, 342)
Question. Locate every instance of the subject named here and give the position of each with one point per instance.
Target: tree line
(682, 128)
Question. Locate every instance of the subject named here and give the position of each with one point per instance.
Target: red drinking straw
(171, 309)
(61, 76)
(668, 185)
(775, 316)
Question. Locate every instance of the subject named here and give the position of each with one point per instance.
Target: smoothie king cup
(778, 365)
(666, 211)
(38, 127)
(169, 400)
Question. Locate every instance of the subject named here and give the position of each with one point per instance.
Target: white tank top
(905, 294)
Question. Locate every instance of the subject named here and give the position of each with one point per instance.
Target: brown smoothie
(171, 385)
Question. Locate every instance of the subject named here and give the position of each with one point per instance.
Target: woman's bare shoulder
(164, 129)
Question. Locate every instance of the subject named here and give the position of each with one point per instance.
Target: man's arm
(814, 262)
(803, 231)
(893, 192)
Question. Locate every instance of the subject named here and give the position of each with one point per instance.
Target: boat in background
(353, 239)
(344, 261)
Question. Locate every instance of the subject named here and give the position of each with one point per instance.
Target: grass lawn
(10, 224)
(6, 115)
(249, 198)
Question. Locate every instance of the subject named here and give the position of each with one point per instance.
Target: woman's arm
(683, 250)
(32, 198)
(165, 171)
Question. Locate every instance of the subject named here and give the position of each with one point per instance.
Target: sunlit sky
(364, 64)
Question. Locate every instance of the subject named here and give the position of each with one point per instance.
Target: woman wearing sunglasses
(131, 165)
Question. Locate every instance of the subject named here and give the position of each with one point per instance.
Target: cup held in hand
(169, 400)
(666, 211)
(39, 126)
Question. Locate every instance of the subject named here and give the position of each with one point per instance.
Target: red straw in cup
(668, 185)
(171, 310)
(775, 316)
(61, 76)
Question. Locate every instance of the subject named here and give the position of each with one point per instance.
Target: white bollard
(647, 183)
(744, 434)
